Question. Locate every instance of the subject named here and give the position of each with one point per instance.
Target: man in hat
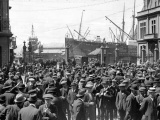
(90, 102)
(79, 106)
(30, 112)
(31, 84)
(121, 101)
(105, 101)
(72, 96)
(48, 111)
(9, 96)
(1, 85)
(38, 102)
(114, 88)
(11, 111)
(142, 94)
(21, 88)
(96, 90)
(149, 106)
(2, 103)
(57, 101)
(132, 106)
(64, 92)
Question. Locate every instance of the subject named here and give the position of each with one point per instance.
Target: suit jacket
(149, 108)
(132, 107)
(52, 108)
(121, 101)
(158, 107)
(58, 103)
(9, 97)
(139, 99)
(71, 97)
(78, 110)
(10, 113)
(28, 113)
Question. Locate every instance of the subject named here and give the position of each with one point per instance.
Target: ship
(127, 53)
(81, 47)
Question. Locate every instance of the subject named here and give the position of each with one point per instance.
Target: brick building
(149, 31)
(5, 33)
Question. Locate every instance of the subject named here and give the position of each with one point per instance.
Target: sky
(50, 19)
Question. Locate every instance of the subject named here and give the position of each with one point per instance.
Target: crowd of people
(88, 92)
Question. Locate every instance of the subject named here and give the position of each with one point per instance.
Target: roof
(95, 52)
(50, 51)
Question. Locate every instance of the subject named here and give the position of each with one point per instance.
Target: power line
(67, 7)
(89, 20)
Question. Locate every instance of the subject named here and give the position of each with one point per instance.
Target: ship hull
(127, 53)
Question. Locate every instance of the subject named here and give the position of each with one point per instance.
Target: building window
(153, 23)
(142, 30)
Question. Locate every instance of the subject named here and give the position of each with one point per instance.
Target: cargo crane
(80, 26)
(114, 36)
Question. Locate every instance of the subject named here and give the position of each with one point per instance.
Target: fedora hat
(47, 96)
(32, 91)
(134, 87)
(141, 89)
(32, 98)
(19, 98)
(81, 92)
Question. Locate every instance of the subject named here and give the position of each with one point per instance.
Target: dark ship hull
(127, 53)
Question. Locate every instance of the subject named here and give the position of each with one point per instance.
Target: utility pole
(134, 18)
(123, 25)
(80, 26)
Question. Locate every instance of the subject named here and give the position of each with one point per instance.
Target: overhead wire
(75, 7)
(89, 20)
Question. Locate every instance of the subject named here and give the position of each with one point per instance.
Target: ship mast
(134, 18)
(32, 32)
(123, 25)
(80, 26)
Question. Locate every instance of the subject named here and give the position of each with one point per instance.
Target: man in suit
(79, 106)
(139, 98)
(9, 96)
(105, 100)
(132, 106)
(57, 102)
(30, 112)
(48, 111)
(64, 92)
(11, 111)
(149, 106)
(72, 96)
(121, 101)
(114, 88)
(90, 102)
(38, 102)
